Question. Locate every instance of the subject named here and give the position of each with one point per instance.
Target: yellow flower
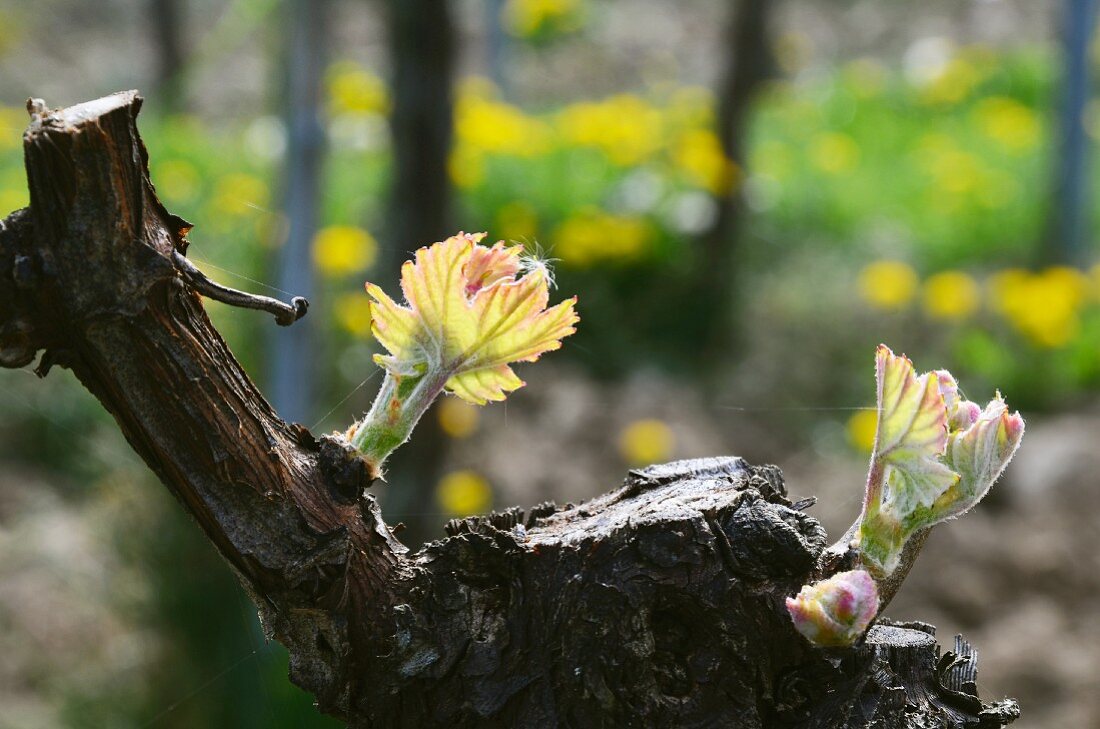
(591, 237)
(457, 418)
(834, 153)
(492, 126)
(626, 128)
(343, 249)
(462, 493)
(353, 89)
(646, 441)
(1072, 284)
(1009, 123)
(177, 180)
(699, 154)
(888, 285)
(951, 295)
(1056, 331)
(862, 427)
(353, 314)
(1044, 307)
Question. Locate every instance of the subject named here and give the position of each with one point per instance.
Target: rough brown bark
(658, 604)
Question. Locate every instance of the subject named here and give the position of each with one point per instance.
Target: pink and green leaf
(911, 436)
(488, 266)
(468, 315)
(979, 453)
(936, 455)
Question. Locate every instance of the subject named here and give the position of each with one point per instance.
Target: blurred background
(747, 196)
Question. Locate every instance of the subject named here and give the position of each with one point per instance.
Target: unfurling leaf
(979, 453)
(836, 611)
(935, 456)
(470, 311)
(910, 437)
(469, 316)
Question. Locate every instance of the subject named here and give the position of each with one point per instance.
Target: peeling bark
(658, 604)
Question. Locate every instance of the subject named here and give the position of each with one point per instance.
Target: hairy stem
(398, 407)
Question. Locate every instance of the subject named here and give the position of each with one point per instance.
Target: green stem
(398, 407)
(881, 541)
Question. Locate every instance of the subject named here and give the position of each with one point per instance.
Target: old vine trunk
(658, 604)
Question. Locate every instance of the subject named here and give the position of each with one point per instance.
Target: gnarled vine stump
(659, 604)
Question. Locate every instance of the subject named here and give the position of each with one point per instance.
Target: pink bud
(836, 611)
(964, 415)
(1014, 427)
